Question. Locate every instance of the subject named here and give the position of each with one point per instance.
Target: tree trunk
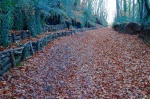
(148, 9)
(117, 7)
(125, 7)
(133, 10)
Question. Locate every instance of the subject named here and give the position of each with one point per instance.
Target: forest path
(94, 64)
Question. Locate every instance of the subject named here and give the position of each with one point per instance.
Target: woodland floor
(95, 64)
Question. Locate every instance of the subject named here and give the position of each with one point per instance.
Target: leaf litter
(94, 64)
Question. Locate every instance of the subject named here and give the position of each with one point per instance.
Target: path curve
(95, 64)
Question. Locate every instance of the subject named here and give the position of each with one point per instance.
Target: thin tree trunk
(125, 7)
(133, 10)
(141, 9)
(117, 7)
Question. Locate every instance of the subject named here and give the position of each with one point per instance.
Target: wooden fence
(11, 57)
(24, 34)
(21, 35)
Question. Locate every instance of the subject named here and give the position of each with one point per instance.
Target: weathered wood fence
(24, 34)
(21, 35)
(11, 57)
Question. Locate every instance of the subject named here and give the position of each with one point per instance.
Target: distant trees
(135, 21)
(133, 10)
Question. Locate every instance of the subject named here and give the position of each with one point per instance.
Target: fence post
(13, 37)
(31, 48)
(24, 52)
(29, 33)
(21, 35)
(12, 58)
(38, 45)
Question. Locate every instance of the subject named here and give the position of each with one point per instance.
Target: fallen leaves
(93, 64)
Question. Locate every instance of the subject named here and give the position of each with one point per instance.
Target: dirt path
(96, 64)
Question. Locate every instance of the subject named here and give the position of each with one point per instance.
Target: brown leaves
(94, 64)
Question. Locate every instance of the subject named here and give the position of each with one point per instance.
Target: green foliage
(6, 20)
(33, 14)
(132, 10)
